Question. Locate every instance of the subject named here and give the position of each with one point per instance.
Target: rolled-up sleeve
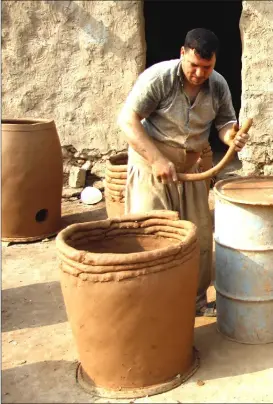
(146, 93)
(226, 113)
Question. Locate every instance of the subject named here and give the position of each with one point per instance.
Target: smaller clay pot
(115, 182)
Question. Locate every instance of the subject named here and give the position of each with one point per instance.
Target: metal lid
(247, 190)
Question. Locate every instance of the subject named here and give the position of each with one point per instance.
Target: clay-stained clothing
(169, 117)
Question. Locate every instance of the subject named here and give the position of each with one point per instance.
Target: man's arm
(130, 123)
(228, 135)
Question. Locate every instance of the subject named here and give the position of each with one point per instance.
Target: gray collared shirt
(159, 98)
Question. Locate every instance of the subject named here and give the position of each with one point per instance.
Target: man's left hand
(240, 139)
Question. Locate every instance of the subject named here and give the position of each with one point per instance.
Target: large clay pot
(32, 178)
(129, 286)
(116, 176)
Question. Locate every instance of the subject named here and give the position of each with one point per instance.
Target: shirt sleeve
(146, 93)
(226, 113)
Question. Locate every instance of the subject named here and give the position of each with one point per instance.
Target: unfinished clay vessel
(129, 286)
(116, 176)
(32, 178)
(115, 182)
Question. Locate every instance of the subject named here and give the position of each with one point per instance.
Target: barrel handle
(225, 160)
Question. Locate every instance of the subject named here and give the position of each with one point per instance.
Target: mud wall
(256, 27)
(74, 62)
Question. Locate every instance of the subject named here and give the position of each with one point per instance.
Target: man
(166, 120)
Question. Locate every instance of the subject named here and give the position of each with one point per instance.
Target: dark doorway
(167, 23)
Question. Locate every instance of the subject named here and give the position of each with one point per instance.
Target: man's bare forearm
(231, 134)
(137, 137)
(226, 133)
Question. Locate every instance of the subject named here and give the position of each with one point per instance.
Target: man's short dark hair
(204, 42)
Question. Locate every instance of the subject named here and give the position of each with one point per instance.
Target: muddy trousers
(190, 199)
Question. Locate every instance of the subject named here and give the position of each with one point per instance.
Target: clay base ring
(32, 238)
(90, 388)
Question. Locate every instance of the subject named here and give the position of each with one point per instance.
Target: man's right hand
(135, 134)
(164, 170)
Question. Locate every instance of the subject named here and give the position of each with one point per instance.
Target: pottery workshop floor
(39, 356)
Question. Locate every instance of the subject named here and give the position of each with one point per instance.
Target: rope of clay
(115, 187)
(118, 181)
(114, 198)
(133, 221)
(116, 174)
(127, 228)
(115, 194)
(79, 267)
(104, 274)
(225, 160)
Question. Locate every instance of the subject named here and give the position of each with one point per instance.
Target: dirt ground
(39, 356)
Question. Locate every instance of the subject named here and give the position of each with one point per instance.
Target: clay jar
(115, 182)
(32, 178)
(129, 286)
(116, 176)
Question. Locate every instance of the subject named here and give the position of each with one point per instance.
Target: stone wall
(74, 62)
(256, 27)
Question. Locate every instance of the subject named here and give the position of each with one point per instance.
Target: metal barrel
(244, 259)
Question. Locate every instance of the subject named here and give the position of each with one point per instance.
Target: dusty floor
(39, 357)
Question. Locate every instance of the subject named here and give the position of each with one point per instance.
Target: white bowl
(91, 195)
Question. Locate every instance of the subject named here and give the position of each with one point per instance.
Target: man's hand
(239, 140)
(164, 170)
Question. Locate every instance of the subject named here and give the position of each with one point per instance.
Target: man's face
(196, 69)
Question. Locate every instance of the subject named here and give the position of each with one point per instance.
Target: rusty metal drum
(244, 259)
